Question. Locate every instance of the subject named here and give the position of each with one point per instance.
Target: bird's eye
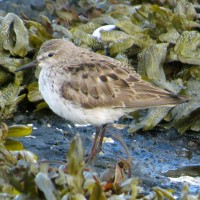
(50, 54)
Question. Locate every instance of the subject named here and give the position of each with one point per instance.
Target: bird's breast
(49, 86)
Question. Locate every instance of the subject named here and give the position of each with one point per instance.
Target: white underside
(73, 112)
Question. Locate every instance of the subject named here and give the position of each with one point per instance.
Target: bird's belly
(74, 112)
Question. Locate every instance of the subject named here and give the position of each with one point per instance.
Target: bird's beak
(27, 66)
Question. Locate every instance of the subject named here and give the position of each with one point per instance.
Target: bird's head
(50, 53)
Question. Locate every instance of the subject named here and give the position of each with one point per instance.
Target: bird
(85, 87)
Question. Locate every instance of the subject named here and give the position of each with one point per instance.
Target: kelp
(9, 99)
(150, 66)
(192, 72)
(120, 46)
(171, 36)
(14, 41)
(7, 135)
(5, 76)
(187, 116)
(151, 60)
(14, 36)
(151, 119)
(18, 40)
(187, 47)
(159, 20)
(37, 33)
(34, 94)
(82, 38)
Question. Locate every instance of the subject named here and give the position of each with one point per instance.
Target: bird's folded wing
(103, 84)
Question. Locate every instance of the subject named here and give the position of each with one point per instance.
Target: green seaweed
(14, 36)
(187, 47)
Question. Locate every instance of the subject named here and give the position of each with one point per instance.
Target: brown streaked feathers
(102, 84)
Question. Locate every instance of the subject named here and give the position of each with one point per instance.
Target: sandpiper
(88, 88)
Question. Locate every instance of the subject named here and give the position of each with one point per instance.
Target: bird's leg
(101, 136)
(94, 145)
(97, 143)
